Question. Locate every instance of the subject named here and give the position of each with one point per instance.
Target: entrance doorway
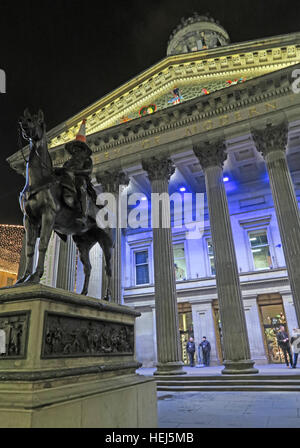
(272, 315)
(186, 329)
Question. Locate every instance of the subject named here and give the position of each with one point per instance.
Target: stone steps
(230, 388)
(229, 383)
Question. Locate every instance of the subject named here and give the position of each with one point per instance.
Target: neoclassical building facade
(217, 119)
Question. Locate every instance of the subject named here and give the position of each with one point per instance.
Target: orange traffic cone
(81, 136)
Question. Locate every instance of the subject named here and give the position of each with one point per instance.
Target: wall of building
(251, 209)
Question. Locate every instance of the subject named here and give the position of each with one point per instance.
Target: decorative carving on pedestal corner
(271, 138)
(15, 327)
(158, 168)
(111, 180)
(68, 336)
(211, 153)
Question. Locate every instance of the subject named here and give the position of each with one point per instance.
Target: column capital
(111, 180)
(158, 168)
(210, 153)
(271, 138)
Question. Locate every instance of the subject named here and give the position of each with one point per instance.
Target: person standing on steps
(284, 344)
(191, 348)
(205, 345)
(295, 343)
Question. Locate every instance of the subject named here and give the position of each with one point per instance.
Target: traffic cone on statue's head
(80, 141)
(81, 136)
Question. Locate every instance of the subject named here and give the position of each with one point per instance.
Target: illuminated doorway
(272, 315)
(186, 329)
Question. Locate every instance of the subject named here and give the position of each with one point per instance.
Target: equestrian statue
(61, 200)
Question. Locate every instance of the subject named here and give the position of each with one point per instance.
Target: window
(141, 268)
(260, 249)
(211, 257)
(179, 261)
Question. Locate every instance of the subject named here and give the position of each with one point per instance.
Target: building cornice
(195, 117)
(254, 58)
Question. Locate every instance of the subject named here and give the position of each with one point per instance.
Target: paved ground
(229, 409)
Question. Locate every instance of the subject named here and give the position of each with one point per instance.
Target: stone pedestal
(69, 361)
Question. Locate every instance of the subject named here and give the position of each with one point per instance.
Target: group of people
(289, 347)
(204, 346)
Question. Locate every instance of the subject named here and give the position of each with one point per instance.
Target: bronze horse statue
(45, 209)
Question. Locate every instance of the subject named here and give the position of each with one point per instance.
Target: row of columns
(271, 142)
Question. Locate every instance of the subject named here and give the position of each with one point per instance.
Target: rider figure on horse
(76, 175)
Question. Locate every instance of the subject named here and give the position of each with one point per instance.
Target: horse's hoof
(83, 292)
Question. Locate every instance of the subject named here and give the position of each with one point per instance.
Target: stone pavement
(229, 409)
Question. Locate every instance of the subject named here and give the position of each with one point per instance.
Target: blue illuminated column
(167, 328)
(271, 142)
(211, 156)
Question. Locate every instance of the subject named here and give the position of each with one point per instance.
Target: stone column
(66, 265)
(256, 337)
(114, 182)
(96, 259)
(289, 311)
(235, 338)
(167, 328)
(49, 277)
(271, 142)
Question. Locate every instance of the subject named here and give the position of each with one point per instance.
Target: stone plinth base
(80, 401)
(170, 368)
(239, 367)
(69, 361)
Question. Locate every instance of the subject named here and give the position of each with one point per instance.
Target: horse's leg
(48, 219)
(106, 245)
(84, 247)
(31, 236)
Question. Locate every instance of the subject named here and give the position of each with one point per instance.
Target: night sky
(62, 55)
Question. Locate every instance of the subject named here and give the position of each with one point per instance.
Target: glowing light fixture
(226, 179)
(182, 189)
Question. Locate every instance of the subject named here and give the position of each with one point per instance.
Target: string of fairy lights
(11, 238)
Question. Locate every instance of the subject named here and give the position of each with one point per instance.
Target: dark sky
(62, 55)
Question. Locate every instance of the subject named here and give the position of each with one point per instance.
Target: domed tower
(197, 33)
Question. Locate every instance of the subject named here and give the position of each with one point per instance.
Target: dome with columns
(197, 33)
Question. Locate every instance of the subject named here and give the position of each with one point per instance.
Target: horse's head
(32, 126)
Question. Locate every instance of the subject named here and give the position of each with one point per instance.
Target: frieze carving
(211, 153)
(66, 336)
(14, 338)
(158, 168)
(111, 180)
(271, 138)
